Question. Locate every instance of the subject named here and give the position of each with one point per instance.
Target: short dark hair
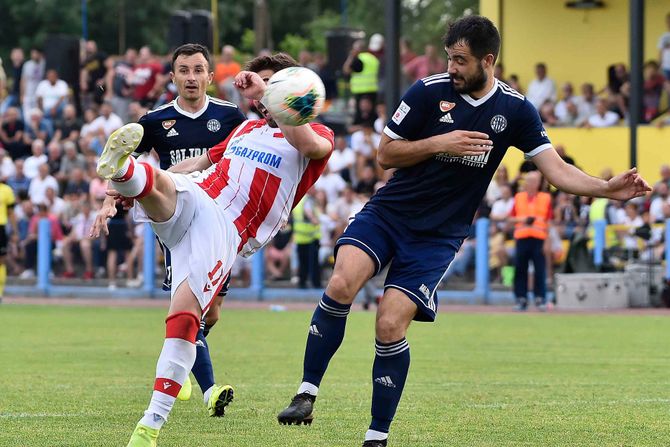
(276, 62)
(189, 49)
(478, 32)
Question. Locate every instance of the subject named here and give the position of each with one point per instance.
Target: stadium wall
(577, 45)
(596, 149)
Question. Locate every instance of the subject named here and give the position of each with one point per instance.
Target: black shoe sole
(291, 421)
(222, 403)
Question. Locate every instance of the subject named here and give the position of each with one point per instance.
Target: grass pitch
(75, 376)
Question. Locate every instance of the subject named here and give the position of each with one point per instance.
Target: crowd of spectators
(50, 141)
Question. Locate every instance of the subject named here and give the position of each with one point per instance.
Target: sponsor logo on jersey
(168, 123)
(252, 154)
(447, 119)
(476, 161)
(386, 381)
(172, 133)
(498, 123)
(446, 106)
(177, 155)
(213, 125)
(401, 112)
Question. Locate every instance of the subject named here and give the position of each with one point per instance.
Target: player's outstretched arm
(568, 178)
(192, 164)
(306, 141)
(107, 211)
(402, 153)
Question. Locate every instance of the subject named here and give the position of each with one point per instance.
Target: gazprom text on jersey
(252, 154)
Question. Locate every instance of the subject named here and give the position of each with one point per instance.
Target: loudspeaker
(201, 28)
(338, 43)
(178, 29)
(61, 53)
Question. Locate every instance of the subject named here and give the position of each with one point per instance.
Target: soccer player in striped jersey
(445, 140)
(185, 128)
(237, 204)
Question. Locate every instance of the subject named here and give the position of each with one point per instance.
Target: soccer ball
(294, 96)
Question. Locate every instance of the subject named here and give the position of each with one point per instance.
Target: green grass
(74, 376)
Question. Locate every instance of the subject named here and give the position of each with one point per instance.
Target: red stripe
(217, 180)
(262, 193)
(129, 173)
(167, 386)
(148, 186)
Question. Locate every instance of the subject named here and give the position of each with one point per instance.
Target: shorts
(200, 238)
(417, 262)
(3, 240)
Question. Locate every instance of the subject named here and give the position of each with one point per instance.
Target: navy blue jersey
(176, 134)
(440, 195)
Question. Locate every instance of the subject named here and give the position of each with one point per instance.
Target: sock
(174, 364)
(202, 368)
(136, 181)
(326, 331)
(389, 373)
(205, 329)
(3, 279)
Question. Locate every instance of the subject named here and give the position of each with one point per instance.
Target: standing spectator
(13, 99)
(363, 67)
(101, 128)
(18, 182)
(429, 63)
(653, 87)
(11, 134)
(119, 82)
(567, 109)
(541, 88)
(31, 75)
(343, 209)
(664, 49)
(532, 212)
(145, 76)
(67, 129)
(586, 103)
(79, 236)
(342, 159)
(618, 85)
(52, 94)
(364, 143)
(603, 116)
(36, 128)
(306, 234)
(92, 75)
(39, 185)
(224, 74)
(37, 159)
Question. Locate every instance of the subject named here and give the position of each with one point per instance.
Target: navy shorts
(417, 262)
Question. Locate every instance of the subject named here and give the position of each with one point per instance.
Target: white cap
(376, 42)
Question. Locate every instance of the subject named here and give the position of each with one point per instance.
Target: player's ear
(488, 60)
(210, 76)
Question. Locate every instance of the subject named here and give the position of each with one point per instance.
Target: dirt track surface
(271, 305)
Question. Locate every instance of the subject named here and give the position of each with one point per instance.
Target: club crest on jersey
(168, 123)
(446, 106)
(498, 123)
(213, 125)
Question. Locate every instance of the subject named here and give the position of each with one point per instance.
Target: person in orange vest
(531, 213)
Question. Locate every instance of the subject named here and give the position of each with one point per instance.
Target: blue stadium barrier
(667, 249)
(43, 255)
(599, 227)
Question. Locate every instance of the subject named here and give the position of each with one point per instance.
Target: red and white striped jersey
(257, 178)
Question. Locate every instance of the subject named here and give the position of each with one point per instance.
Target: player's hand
(462, 143)
(100, 224)
(250, 85)
(627, 186)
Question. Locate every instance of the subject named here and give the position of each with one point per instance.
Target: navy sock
(326, 331)
(202, 368)
(389, 373)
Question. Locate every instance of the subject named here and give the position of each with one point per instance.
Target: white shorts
(202, 241)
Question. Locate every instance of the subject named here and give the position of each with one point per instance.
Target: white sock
(374, 435)
(208, 393)
(134, 185)
(126, 164)
(174, 365)
(308, 388)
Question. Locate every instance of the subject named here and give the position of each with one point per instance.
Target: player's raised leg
(353, 267)
(174, 364)
(391, 365)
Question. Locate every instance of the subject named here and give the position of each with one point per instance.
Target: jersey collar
(190, 114)
(477, 102)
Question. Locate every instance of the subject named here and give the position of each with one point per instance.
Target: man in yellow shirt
(7, 202)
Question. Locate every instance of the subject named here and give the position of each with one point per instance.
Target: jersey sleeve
(530, 136)
(410, 116)
(216, 153)
(146, 144)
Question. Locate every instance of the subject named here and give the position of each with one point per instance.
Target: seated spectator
(30, 242)
(40, 184)
(331, 184)
(278, 253)
(364, 143)
(566, 215)
(97, 189)
(52, 94)
(541, 89)
(38, 158)
(586, 103)
(547, 114)
(567, 109)
(18, 182)
(54, 157)
(631, 219)
(67, 128)
(618, 85)
(7, 168)
(77, 185)
(37, 128)
(501, 208)
(367, 181)
(513, 82)
(653, 88)
(11, 134)
(345, 207)
(78, 236)
(500, 179)
(101, 128)
(342, 159)
(365, 116)
(603, 117)
(660, 199)
(57, 206)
